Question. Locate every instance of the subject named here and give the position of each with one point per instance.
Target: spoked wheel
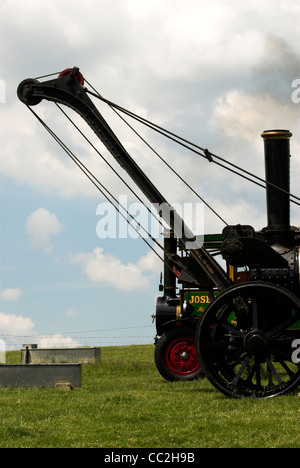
(245, 341)
(176, 356)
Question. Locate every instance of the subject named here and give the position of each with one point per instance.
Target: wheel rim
(246, 349)
(181, 356)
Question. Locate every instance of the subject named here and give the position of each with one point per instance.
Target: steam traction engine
(239, 326)
(242, 338)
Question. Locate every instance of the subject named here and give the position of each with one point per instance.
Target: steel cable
(102, 189)
(211, 157)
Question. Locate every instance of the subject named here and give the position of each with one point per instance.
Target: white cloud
(241, 212)
(241, 116)
(11, 294)
(174, 59)
(57, 341)
(11, 324)
(107, 269)
(35, 159)
(41, 226)
(15, 329)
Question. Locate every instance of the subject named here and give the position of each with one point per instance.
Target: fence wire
(83, 338)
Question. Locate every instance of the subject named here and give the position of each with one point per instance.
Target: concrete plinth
(40, 375)
(31, 354)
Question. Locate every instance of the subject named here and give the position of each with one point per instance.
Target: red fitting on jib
(75, 71)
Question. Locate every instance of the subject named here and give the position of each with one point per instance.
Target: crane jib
(69, 91)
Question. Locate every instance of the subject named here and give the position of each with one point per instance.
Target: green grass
(124, 403)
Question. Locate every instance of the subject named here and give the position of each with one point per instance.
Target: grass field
(124, 403)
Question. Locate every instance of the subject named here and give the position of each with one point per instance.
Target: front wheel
(176, 357)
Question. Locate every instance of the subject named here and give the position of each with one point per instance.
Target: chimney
(277, 167)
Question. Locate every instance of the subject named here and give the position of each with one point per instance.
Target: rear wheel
(176, 356)
(246, 341)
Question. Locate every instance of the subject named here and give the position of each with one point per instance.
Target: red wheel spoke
(181, 356)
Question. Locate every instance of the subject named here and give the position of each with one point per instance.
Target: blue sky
(218, 73)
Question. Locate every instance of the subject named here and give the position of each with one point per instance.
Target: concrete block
(31, 354)
(40, 375)
(63, 386)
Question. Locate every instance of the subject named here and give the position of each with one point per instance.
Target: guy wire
(109, 165)
(112, 106)
(95, 181)
(183, 142)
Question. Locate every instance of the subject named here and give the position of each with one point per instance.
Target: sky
(217, 73)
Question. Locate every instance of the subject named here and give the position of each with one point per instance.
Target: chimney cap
(276, 135)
